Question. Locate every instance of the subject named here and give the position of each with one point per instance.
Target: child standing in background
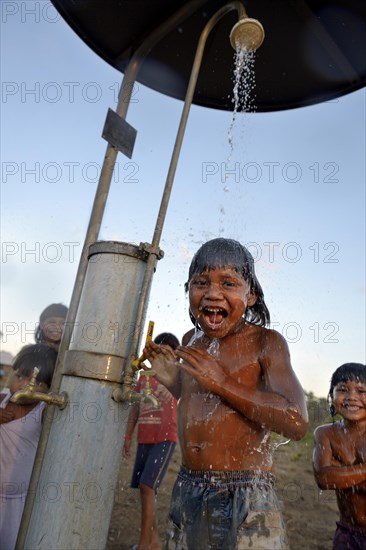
(51, 325)
(340, 455)
(157, 437)
(20, 430)
(235, 385)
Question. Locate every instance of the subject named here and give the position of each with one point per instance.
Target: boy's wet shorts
(349, 538)
(234, 510)
(151, 463)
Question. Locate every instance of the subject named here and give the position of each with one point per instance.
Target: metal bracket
(150, 249)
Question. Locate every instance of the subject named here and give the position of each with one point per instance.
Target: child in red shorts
(157, 437)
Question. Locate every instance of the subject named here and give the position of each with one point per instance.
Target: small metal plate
(119, 133)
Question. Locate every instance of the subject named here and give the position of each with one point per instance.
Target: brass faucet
(126, 393)
(60, 400)
(147, 395)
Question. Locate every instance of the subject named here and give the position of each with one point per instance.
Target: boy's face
(349, 399)
(218, 300)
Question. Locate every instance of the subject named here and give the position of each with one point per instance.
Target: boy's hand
(202, 366)
(126, 451)
(163, 394)
(163, 361)
(6, 416)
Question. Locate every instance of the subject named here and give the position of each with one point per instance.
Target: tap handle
(137, 362)
(33, 379)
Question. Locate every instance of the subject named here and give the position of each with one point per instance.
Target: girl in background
(20, 430)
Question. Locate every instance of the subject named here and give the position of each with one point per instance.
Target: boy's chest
(352, 451)
(240, 358)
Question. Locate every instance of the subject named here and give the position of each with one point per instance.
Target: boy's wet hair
(37, 355)
(349, 371)
(220, 253)
(168, 339)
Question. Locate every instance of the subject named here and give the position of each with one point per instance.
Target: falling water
(195, 336)
(243, 91)
(214, 347)
(277, 444)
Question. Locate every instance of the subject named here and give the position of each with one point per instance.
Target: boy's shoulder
(266, 335)
(327, 430)
(188, 336)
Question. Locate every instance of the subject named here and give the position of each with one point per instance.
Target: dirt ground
(309, 514)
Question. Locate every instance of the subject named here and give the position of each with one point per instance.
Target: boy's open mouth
(214, 316)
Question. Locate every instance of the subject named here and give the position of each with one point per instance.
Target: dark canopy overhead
(313, 50)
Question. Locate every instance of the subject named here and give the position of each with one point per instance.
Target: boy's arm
(329, 472)
(281, 407)
(131, 423)
(163, 361)
(284, 401)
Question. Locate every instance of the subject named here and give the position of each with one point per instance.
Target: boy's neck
(358, 426)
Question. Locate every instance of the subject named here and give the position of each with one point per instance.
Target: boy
(340, 455)
(235, 385)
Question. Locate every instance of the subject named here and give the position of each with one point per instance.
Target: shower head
(247, 34)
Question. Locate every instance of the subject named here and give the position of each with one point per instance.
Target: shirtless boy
(340, 455)
(235, 385)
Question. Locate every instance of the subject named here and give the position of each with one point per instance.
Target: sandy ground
(309, 514)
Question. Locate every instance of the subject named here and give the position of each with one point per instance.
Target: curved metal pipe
(235, 5)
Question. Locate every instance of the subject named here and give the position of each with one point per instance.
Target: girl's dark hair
(220, 253)
(168, 339)
(349, 371)
(39, 335)
(37, 355)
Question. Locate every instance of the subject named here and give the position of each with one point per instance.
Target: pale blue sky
(293, 191)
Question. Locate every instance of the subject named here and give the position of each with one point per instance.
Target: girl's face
(349, 399)
(218, 300)
(53, 328)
